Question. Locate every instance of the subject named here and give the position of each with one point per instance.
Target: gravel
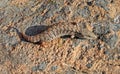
(89, 65)
(84, 12)
(40, 66)
(53, 68)
(111, 41)
(117, 19)
(34, 13)
(70, 71)
(102, 3)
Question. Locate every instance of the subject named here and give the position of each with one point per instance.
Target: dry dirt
(61, 55)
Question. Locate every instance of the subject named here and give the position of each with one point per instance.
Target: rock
(53, 68)
(102, 3)
(89, 65)
(89, 3)
(101, 28)
(84, 12)
(111, 41)
(117, 19)
(70, 71)
(40, 66)
(3, 3)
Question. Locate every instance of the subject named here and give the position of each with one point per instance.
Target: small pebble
(53, 68)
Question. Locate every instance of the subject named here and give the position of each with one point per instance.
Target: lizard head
(86, 33)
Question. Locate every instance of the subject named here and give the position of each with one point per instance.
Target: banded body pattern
(56, 31)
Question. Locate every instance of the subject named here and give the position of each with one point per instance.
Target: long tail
(21, 35)
(24, 37)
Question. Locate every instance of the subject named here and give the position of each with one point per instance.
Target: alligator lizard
(61, 29)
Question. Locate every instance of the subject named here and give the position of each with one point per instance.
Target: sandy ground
(61, 55)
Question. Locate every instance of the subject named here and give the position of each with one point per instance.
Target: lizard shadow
(34, 30)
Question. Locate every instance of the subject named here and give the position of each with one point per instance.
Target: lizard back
(55, 31)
